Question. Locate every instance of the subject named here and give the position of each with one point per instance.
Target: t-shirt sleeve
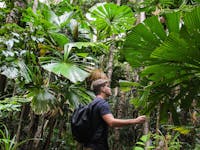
(104, 109)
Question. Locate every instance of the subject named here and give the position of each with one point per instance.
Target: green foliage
(110, 19)
(142, 40)
(141, 143)
(170, 59)
(46, 22)
(42, 100)
(68, 65)
(98, 46)
(127, 85)
(159, 141)
(70, 71)
(49, 53)
(26, 51)
(7, 142)
(12, 104)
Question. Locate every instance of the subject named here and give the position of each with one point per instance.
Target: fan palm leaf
(143, 39)
(170, 58)
(110, 19)
(68, 70)
(43, 100)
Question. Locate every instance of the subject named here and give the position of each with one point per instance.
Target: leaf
(143, 39)
(45, 11)
(145, 138)
(182, 130)
(10, 72)
(135, 102)
(65, 18)
(173, 22)
(176, 49)
(124, 83)
(160, 72)
(98, 45)
(42, 100)
(81, 45)
(68, 70)
(59, 38)
(164, 111)
(84, 55)
(143, 99)
(10, 107)
(78, 95)
(110, 19)
(192, 20)
(38, 19)
(127, 85)
(153, 24)
(25, 71)
(170, 60)
(140, 143)
(138, 148)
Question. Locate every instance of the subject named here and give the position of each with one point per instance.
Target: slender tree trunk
(61, 128)
(120, 114)
(20, 124)
(109, 75)
(121, 109)
(35, 5)
(32, 129)
(141, 16)
(157, 124)
(146, 131)
(48, 139)
(110, 62)
(119, 2)
(39, 133)
(2, 83)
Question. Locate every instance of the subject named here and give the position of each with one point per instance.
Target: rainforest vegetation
(51, 51)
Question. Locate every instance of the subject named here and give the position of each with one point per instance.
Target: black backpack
(82, 125)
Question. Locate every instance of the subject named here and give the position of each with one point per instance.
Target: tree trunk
(2, 83)
(110, 62)
(109, 75)
(20, 124)
(39, 133)
(35, 5)
(120, 109)
(146, 131)
(120, 114)
(119, 2)
(157, 124)
(61, 128)
(32, 129)
(141, 16)
(48, 139)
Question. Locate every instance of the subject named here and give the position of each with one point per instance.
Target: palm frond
(110, 19)
(68, 70)
(43, 99)
(173, 22)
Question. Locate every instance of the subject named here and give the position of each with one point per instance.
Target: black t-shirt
(99, 140)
